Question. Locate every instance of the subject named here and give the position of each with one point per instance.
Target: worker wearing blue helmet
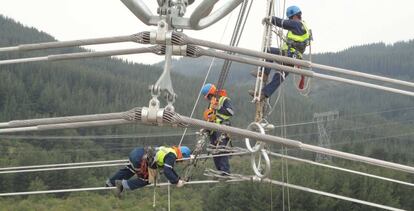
(143, 162)
(296, 41)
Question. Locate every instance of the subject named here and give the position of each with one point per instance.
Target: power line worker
(296, 41)
(219, 111)
(143, 162)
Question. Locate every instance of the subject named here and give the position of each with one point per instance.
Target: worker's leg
(222, 163)
(213, 141)
(271, 87)
(133, 184)
(124, 173)
(272, 51)
(214, 137)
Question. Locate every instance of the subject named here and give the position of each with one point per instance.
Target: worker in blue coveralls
(143, 161)
(219, 111)
(296, 41)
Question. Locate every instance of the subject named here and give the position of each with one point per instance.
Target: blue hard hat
(185, 151)
(292, 10)
(208, 89)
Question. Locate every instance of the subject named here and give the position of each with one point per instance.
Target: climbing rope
(235, 39)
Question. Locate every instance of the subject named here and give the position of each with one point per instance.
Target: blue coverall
(296, 27)
(135, 158)
(222, 163)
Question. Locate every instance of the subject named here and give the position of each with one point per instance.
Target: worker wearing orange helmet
(219, 111)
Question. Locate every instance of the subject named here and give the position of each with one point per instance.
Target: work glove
(214, 103)
(267, 20)
(180, 183)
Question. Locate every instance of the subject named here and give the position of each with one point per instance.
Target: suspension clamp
(153, 114)
(162, 35)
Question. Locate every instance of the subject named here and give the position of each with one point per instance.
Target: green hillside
(371, 123)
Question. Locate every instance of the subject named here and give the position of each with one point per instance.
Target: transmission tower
(325, 122)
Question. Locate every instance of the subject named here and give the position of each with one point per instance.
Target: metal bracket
(174, 11)
(164, 85)
(151, 114)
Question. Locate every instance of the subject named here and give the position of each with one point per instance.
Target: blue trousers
(125, 174)
(221, 163)
(277, 79)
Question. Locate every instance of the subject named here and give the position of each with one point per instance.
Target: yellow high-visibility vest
(293, 40)
(161, 153)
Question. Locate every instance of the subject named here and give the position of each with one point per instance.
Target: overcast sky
(336, 24)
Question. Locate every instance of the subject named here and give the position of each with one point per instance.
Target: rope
(234, 41)
(285, 149)
(169, 197)
(281, 96)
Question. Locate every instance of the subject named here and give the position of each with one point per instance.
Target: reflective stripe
(168, 165)
(161, 153)
(220, 116)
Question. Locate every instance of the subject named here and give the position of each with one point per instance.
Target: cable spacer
(257, 168)
(256, 127)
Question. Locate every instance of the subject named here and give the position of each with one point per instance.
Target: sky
(336, 24)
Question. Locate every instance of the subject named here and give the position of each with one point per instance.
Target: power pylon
(325, 122)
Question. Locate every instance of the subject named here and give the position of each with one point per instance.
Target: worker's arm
(295, 26)
(169, 172)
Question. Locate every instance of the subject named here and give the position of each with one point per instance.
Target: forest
(370, 123)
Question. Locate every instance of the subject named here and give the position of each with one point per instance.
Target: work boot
(224, 176)
(254, 74)
(119, 188)
(108, 183)
(251, 93)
